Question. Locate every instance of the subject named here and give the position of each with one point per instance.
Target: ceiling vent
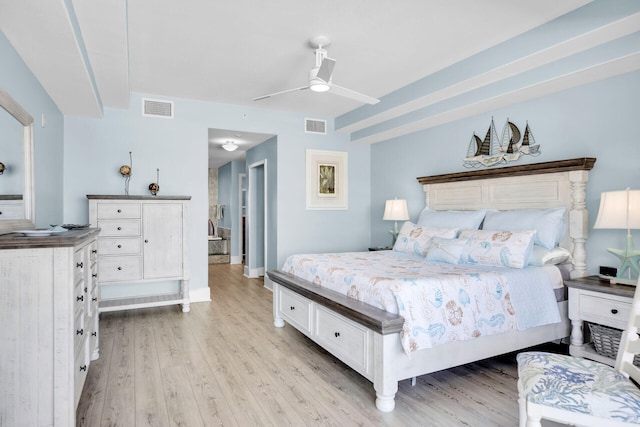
(315, 126)
(157, 108)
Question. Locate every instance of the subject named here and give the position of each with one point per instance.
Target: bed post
(578, 221)
(385, 379)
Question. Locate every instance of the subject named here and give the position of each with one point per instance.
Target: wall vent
(157, 108)
(315, 126)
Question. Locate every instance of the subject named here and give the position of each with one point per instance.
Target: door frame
(249, 271)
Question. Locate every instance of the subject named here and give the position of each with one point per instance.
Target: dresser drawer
(80, 263)
(12, 209)
(347, 340)
(79, 332)
(81, 366)
(93, 252)
(295, 309)
(601, 309)
(118, 210)
(119, 268)
(119, 246)
(123, 227)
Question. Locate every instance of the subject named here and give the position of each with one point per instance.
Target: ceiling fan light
(319, 86)
(230, 146)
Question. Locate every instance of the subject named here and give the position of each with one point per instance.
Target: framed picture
(326, 179)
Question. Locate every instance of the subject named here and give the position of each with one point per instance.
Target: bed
(370, 338)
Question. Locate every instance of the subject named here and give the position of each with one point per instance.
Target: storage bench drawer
(295, 309)
(347, 340)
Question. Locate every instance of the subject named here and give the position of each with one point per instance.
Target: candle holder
(125, 171)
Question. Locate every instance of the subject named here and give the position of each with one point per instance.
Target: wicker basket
(607, 340)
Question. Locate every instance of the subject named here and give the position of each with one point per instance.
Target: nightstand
(595, 300)
(388, 248)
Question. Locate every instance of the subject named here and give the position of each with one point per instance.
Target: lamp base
(629, 258)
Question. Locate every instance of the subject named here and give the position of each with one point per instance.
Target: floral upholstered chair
(581, 392)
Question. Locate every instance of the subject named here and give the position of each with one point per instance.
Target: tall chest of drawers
(48, 325)
(142, 239)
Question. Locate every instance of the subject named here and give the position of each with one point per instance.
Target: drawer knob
(86, 289)
(119, 268)
(80, 332)
(614, 311)
(337, 334)
(119, 228)
(79, 264)
(83, 367)
(94, 299)
(94, 334)
(80, 298)
(146, 240)
(292, 307)
(119, 210)
(119, 246)
(94, 251)
(94, 275)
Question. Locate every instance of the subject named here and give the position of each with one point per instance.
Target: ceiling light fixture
(230, 146)
(318, 85)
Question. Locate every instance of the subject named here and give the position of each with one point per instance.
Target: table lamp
(395, 210)
(621, 210)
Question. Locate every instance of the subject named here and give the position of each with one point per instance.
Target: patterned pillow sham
(415, 240)
(499, 248)
(549, 223)
(451, 251)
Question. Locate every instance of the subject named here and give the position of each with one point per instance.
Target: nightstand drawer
(604, 310)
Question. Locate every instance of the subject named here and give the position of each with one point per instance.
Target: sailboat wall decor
(492, 151)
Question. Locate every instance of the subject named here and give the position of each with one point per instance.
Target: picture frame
(327, 185)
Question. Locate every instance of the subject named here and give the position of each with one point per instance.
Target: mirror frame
(28, 194)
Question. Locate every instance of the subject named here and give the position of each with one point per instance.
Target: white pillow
(451, 219)
(498, 247)
(415, 240)
(451, 251)
(548, 223)
(542, 256)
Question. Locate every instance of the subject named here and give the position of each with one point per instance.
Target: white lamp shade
(396, 210)
(619, 209)
(230, 146)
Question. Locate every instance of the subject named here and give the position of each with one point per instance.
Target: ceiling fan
(320, 77)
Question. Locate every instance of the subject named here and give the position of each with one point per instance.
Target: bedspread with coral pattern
(439, 302)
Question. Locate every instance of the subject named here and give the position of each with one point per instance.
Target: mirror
(16, 153)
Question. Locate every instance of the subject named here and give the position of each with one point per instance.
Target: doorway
(256, 220)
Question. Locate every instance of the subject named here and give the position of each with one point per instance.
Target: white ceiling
(92, 54)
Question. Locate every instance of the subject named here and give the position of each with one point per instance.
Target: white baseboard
(200, 295)
(268, 283)
(253, 273)
(235, 259)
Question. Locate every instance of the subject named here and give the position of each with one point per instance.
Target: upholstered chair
(581, 392)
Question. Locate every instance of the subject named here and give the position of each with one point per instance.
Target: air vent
(157, 108)
(315, 126)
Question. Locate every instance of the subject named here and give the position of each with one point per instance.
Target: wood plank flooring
(225, 364)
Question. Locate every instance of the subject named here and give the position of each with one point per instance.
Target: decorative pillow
(499, 248)
(451, 219)
(451, 251)
(542, 256)
(415, 240)
(548, 223)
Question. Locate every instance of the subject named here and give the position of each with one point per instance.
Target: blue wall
(96, 148)
(21, 84)
(597, 120)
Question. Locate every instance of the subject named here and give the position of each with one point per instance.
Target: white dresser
(142, 239)
(48, 325)
(11, 207)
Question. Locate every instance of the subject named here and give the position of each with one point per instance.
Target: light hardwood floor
(224, 363)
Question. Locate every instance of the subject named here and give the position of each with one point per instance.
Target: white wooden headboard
(535, 186)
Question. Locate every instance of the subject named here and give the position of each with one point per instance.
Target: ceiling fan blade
(326, 69)
(352, 94)
(280, 93)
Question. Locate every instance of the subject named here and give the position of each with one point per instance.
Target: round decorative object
(1, 168)
(125, 170)
(154, 188)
